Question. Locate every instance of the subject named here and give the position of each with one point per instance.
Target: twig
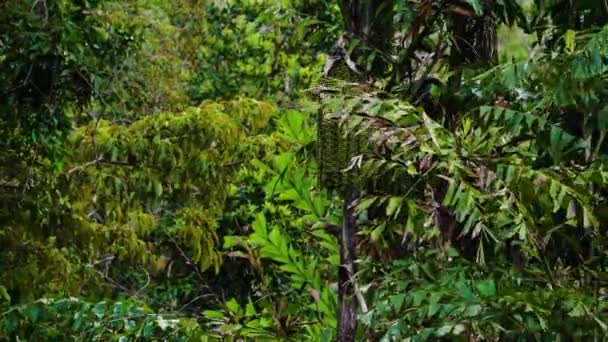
(234, 163)
(189, 261)
(116, 283)
(361, 299)
(438, 53)
(194, 300)
(9, 185)
(418, 37)
(115, 162)
(98, 160)
(84, 166)
(45, 9)
(145, 285)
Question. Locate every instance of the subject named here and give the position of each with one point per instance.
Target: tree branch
(9, 185)
(98, 160)
(347, 294)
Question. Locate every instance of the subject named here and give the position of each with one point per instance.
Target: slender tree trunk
(371, 22)
(474, 42)
(347, 301)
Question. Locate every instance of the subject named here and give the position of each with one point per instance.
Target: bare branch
(98, 160)
(9, 185)
(84, 166)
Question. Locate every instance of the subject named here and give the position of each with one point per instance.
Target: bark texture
(371, 21)
(347, 301)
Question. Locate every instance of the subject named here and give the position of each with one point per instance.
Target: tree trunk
(474, 42)
(371, 21)
(347, 301)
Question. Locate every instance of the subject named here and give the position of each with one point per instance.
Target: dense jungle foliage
(289, 170)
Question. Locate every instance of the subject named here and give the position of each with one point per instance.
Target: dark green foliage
(161, 177)
(431, 299)
(261, 50)
(71, 319)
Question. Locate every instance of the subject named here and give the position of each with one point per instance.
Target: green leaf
(158, 188)
(78, 321)
(434, 305)
(486, 288)
(477, 6)
(602, 118)
(366, 203)
(231, 241)
(579, 310)
(99, 309)
(472, 310)
(250, 309)
(213, 314)
(444, 330)
(419, 297)
(32, 312)
(397, 301)
(12, 322)
(4, 294)
(148, 329)
(465, 291)
(376, 233)
(163, 323)
(452, 252)
(570, 38)
(259, 225)
(394, 205)
(601, 324)
(449, 196)
(233, 306)
(459, 329)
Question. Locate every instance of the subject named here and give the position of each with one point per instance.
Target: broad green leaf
(158, 188)
(367, 202)
(259, 225)
(472, 310)
(394, 206)
(99, 309)
(213, 314)
(397, 301)
(32, 311)
(233, 306)
(250, 309)
(419, 297)
(477, 6)
(434, 305)
(444, 330)
(465, 291)
(486, 288)
(4, 294)
(570, 38)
